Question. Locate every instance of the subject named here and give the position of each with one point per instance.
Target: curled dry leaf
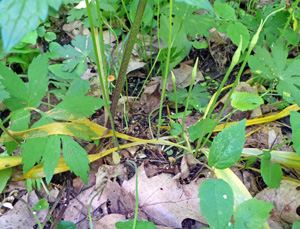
(74, 28)
(165, 201)
(183, 76)
(150, 99)
(187, 164)
(107, 172)
(286, 200)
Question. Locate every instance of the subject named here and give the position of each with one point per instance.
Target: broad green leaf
(245, 101)
(30, 38)
(270, 172)
(294, 118)
(56, 69)
(79, 87)
(4, 94)
(4, 177)
(278, 67)
(50, 36)
(41, 205)
(176, 129)
(34, 148)
(38, 80)
(224, 10)
(227, 147)
(51, 156)
(20, 120)
(198, 25)
(252, 213)
(18, 17)
(235, 31)
(77, 107)
(32, 152)
(55, 4)
(195, 131)
(203, 4)
(66, 225)
(139, 224)
(216, 202)
(148, 13)
(15, 86)
(76, 158)
(296, 225)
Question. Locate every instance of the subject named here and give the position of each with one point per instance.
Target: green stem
(166, 68)
(90, 206)
(88, 7)
(127, 54)
(33, 213)
(6, 132)
(136, 194)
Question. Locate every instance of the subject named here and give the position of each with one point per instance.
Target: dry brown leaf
(163, 201)
(286, 200)
(107, 172)
(188, 162)
(20, 216)
(74, 28)
(150, 99)
(183, 76)
(109, 221)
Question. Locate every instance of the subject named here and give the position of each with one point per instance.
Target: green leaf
(224, 10)
(195, 131)
(296, 225)
(76, 158)
(79, 54)
(66, 225)
(227, 147)
(73, 108)
(235, 31)
(30, 37)
(15, 86)
(38, 80)
(55, 4)
(252, 213)
(175, 129)
(50, 36)
(270, 172)
(51, 156)
(139, 224)
(216, 202)
(203, 4)
(56, 69)
(20, 120)
(198, 25)
(278, 67)
(18, 17)
(294, 118)
(32, 152)
(148, 13)
(41, 205)
(4, 94)
(4, 177)
(245, 101)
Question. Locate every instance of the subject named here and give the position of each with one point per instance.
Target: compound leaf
(51, 156)
(38, 80)
(76, 158)
(295, 117)
(15, 86)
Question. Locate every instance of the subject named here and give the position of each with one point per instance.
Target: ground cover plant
(150, 113)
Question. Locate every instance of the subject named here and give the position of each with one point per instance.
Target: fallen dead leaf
(74, 28)
(163, 201)
(286, 200)
(109, 221)
(183, 76)
(20, 216)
